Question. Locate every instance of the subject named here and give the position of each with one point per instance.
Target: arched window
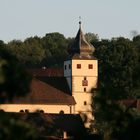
(21, 110)
(26, 110)
(41, 111)
(61, 112)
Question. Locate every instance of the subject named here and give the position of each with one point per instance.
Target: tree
(91, 37)
(55, 46)
(118, 60)
(12, 127)
(2, 43)
(49, 51)
(14, 81)
(34, 51)
(30, 52)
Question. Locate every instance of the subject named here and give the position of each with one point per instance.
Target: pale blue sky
(20, 19)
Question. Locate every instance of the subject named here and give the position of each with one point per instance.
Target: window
(78, 66)
(65, 67)
(84, 89)
(69, 66)
(61, 112)
(85, 103)
(90, 66)
(26, 110)
(41, 111)
(85, 82)
(21, 110)
(1, 110)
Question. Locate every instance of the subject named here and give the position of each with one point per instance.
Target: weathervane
(80, 21)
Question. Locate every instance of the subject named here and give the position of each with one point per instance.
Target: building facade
(70, 93)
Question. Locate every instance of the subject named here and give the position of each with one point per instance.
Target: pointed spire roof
(80, 46)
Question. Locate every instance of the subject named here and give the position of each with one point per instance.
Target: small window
(26, 110)
(65, 67)
(84, 82)
(90, 66)
(85, 89)
(69, 66)
(78, 66)
(61, 112)
(21, 110)
(41, 111)
(85, 103)
(1, 110)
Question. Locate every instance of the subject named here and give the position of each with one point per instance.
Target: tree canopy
(118, 80)
(119, 76)
(14, 80)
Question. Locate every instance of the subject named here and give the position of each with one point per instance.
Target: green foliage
(13, 128)
(2, 43)
(117, 67)
(14, 81)
(55, 46)
(49, 51)
(30, 52)
(91, 37)
(118, 80)
(44, 123)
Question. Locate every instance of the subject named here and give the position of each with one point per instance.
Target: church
(66, 91)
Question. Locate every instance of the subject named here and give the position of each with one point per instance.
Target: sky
(20, 19)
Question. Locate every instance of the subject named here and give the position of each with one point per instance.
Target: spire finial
(80, 21)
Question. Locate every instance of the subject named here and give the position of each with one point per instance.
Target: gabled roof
(80, 45)
(71, 123)
(60, 83)
(45, 93)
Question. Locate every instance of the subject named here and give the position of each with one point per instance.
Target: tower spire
(80, 46)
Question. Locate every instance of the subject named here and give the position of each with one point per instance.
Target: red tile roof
(45, 93)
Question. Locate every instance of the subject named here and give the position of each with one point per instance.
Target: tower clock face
(84, 82)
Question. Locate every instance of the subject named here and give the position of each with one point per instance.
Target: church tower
(81, 72)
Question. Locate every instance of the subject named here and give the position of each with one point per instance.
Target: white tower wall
(84, 78)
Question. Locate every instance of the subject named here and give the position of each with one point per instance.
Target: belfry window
(78, 66)
(85, 89)
(90, 66)
(85, 103)
(65, 67)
